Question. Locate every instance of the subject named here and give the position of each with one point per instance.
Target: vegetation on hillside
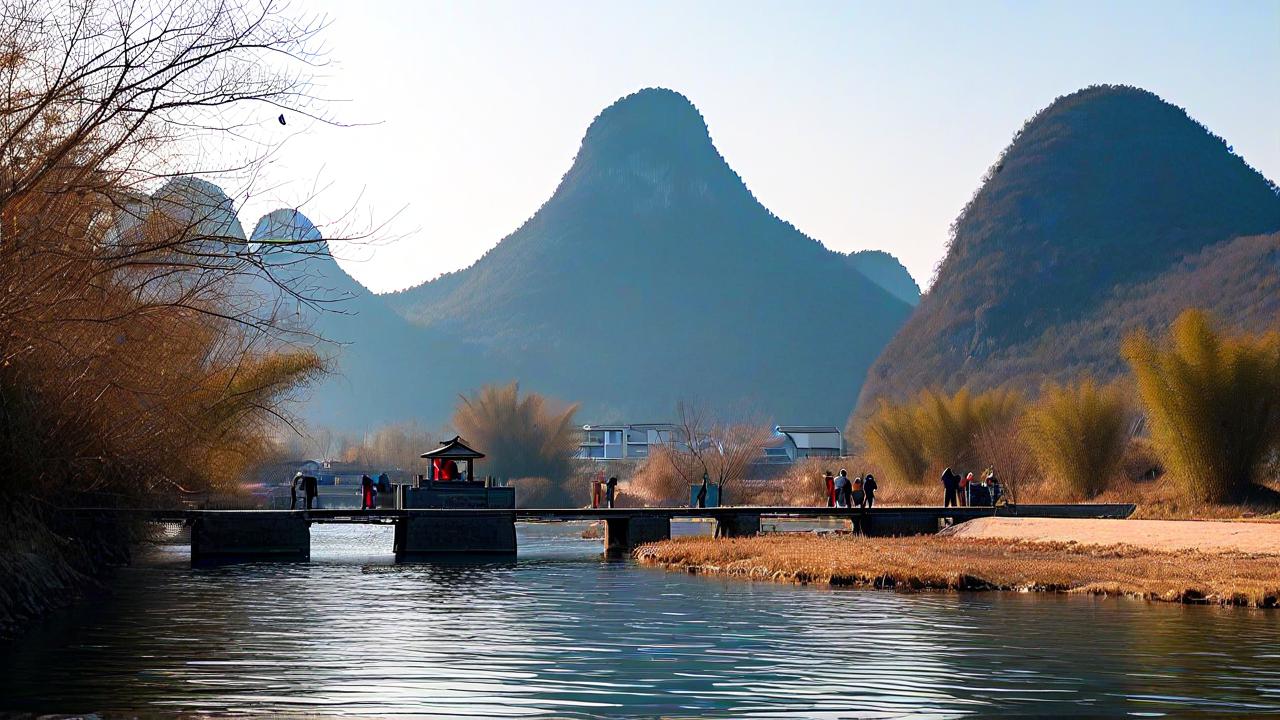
(1213, 401)
(1209, 399)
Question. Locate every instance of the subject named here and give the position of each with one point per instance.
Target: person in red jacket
(831, 489)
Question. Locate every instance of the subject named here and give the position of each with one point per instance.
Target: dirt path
(1164, 535)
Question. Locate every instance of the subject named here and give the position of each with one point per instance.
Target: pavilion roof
(454, 449)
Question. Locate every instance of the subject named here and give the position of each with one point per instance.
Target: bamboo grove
(1207, 400)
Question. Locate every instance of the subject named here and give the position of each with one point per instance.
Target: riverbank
(1227, 577)
(1258, 537)
(47, 563)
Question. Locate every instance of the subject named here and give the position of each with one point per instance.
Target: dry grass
(924, 562)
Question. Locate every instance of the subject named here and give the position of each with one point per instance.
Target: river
(563, 633)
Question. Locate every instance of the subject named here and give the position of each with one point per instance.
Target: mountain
(1111, 210)
(886, 271)
(379, 362)
(653, 274)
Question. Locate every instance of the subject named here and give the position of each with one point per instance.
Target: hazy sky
(867, 125)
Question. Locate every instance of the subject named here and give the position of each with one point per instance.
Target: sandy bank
(959, 563)
(1161, 535)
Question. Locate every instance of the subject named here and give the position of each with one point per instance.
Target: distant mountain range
(651, 275)
(1111, 210)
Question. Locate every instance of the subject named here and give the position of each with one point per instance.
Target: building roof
(454, 449)
(807, 429)
(811, 437)
(627, 426)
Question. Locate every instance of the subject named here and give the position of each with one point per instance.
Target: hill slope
(1110, 210)
(652, 274)
(886, 271)
(376, 357)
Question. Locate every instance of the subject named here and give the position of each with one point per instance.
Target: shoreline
(936, 562)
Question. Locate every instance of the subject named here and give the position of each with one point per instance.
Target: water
(562, 633)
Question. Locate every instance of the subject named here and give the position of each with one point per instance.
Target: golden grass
(924, 562)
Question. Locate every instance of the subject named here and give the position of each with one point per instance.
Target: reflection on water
(562, 633)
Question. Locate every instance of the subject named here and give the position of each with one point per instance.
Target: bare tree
(719, 449)
(133, 351)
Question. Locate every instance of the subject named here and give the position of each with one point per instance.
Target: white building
(622, 442)
(791, 443)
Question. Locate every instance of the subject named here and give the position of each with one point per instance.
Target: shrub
(1077, 434)
(950, 424)
(521, 437)
(1001, 449)
(893, 441)
(657, 481)
(1213, 403)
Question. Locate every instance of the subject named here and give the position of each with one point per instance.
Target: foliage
(892, 437)
(137, 363)
(1213, 403)
(1077, 434)
(520, 436)
(658, 482)
(936, 430)
(950, 424)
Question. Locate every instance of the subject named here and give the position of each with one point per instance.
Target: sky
(866, 124)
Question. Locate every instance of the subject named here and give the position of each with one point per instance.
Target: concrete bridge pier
(622, 535)
(889, 523)
(434, 534)
(219, 536)
(738, 525)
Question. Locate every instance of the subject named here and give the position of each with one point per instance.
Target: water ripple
(562, 633)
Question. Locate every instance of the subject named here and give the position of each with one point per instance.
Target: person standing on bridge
(311, 488)
(844, 490)
(869, 487)
(950, 483)
(610, 491)
(366, 492)
(702, 491)
(830, 483)
(293, 490)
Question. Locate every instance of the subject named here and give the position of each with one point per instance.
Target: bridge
(256, 535)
